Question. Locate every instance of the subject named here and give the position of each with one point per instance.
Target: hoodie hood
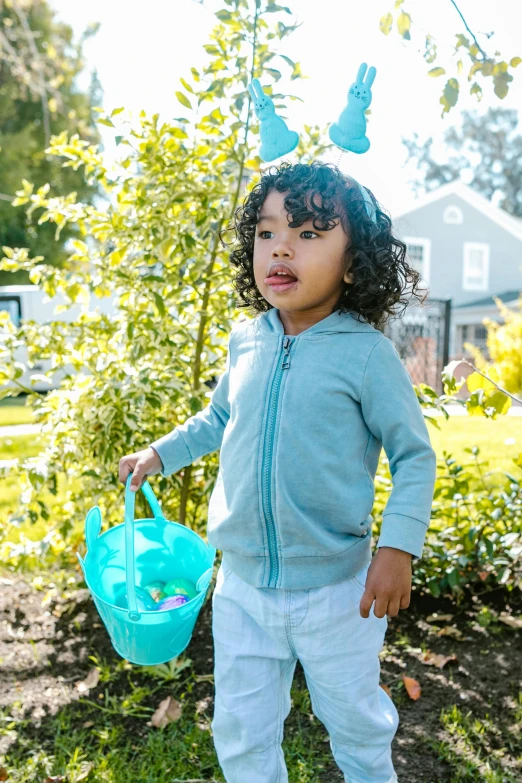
(271, 323)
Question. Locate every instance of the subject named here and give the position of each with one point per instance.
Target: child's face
(314, 260)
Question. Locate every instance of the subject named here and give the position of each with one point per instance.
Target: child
(311, 391)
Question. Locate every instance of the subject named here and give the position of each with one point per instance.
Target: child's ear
(348, 277)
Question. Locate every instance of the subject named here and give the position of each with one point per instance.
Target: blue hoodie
(300, 421)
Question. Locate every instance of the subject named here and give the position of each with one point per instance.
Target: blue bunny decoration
(349, 132)
(276, 139)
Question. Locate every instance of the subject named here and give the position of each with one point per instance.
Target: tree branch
(481, 50)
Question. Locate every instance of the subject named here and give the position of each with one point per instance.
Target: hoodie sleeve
(198, 435)
(394, 416)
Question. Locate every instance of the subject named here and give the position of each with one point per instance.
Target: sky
(142, 50)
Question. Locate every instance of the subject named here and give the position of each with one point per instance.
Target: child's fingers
(126, 467)
(139, 476)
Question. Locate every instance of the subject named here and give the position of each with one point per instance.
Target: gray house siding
(488, 238)
(447, 249)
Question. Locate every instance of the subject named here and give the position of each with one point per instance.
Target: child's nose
(283, 247)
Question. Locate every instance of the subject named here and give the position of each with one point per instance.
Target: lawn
(13, 410)
(499, 441)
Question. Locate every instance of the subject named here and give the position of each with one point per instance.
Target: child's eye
(302, 232)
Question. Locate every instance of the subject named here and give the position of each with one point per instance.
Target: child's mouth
(280, 283)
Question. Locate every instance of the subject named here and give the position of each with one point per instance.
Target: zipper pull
(286, 357)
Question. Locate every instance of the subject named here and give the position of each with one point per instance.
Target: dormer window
(453, 214)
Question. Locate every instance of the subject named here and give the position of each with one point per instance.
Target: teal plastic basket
(133, 554)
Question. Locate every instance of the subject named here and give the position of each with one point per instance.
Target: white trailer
(31, 303)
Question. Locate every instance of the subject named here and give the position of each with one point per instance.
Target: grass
(500, 441)
(13, 410)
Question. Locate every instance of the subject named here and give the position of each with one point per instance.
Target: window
(453, 214)
(419, 255)
(475, 275)
(481, 334)
(12, 305)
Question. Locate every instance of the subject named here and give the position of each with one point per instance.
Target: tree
(156, 246)
(488, 147)
(38, 67)
(469, 53)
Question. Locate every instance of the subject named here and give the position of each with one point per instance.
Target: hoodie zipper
(267, 464)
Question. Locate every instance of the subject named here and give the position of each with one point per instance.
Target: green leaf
(182, 98)
(462, 41)
(476, 89)
(159, 303)
(224, 16)
(501, 82)
(272, 9)
(187, 86)
(450, 95)
(404, 25)
(274, 72)
(386, 24)
(114, 112)
(106, 121)
(437, 72)
(288, 60)
(515, 61)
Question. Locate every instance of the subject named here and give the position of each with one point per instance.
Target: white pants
(259, 634)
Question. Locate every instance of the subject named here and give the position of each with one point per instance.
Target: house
(467, 250)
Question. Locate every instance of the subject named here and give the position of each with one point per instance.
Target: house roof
(507, 296)
(457, 188)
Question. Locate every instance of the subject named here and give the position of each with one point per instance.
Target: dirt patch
(45, 644)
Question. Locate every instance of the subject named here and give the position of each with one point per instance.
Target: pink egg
(172, 602)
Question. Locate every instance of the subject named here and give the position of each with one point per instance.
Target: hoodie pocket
(226, 570)
(359, 579)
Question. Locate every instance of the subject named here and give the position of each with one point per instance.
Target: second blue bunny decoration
(349, 132)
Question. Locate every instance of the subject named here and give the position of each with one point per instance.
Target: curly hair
(377, 259)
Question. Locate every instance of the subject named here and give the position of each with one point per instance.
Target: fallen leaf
(91, 681)
(88, 724)
(483, 574)
(508, 619)
(202, 705)
(168, 711)
(386, 688)
(85, 772)
(439, 618)
(57, 779)
(413, 687)
(434, 659)
(449, 630)
(3, 772)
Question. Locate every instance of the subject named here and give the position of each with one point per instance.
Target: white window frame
(453, 215)
(470, 285)
(426, 254)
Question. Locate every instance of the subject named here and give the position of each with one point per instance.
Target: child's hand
(388, 581)
(141, 464)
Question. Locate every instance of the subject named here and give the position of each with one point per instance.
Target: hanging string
(340, 156)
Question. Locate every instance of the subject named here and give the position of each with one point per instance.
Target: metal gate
(421, 337)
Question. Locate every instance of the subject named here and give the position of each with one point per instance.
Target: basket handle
(130, 503)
